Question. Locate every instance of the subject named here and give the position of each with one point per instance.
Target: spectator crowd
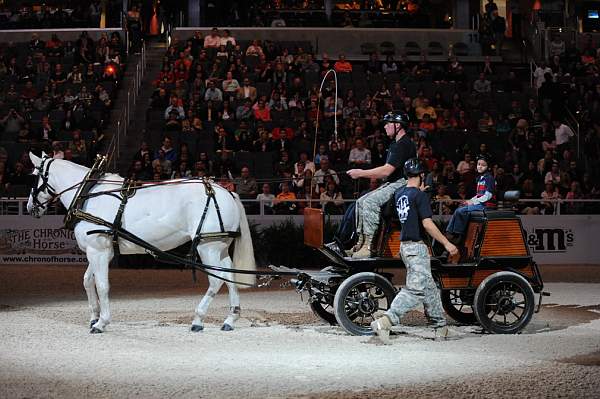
(56, 96)
(221, 107)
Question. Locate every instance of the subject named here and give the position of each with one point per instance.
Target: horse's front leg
(99, 260)
(90, 289)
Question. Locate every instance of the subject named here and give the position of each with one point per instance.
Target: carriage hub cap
(506, 304)
(366, 304)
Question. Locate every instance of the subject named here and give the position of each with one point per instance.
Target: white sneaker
(381, 327)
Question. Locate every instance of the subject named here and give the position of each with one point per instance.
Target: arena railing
(125, 116)
(18, 206)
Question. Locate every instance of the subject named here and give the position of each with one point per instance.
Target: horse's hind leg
(234, 298)
(90, 289)
(214, 285)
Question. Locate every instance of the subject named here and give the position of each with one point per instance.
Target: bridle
(45, 186)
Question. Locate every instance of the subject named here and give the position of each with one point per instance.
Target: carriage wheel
(504, 303)
(324, 310)
(458, 304)
(360, 299)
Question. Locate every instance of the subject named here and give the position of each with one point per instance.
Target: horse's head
(42, 192)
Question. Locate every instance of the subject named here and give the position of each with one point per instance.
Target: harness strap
(89, 181)
(127, 192)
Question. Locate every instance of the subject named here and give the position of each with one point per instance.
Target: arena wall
(335, 41)
(568, 239)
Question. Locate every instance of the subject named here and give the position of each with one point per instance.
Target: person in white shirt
(464, 165)
(538, 74)
(563, 134)
(359, 155)
(266, 198)
(227, 39)
(308, 164)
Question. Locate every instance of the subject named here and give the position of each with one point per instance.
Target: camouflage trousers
(420, 287)
(368, 207)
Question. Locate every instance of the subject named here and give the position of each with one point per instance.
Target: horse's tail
(243, 253)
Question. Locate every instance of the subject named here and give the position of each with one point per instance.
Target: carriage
(493, 282)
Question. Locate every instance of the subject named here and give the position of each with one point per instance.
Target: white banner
(25, 240)
(551, 239)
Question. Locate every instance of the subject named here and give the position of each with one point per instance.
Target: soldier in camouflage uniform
(414, 211)
(369, 205)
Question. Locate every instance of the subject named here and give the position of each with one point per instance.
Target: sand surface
(279, 348)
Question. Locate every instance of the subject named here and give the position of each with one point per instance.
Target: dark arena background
(276, 100)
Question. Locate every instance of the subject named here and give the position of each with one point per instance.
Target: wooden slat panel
(313, 227)
(478, 277)
(471, 239)
(392, 245)
(503, 238)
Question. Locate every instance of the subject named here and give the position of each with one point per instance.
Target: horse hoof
(197, 328)
(93, 322)
(95, 330)
(226, 327)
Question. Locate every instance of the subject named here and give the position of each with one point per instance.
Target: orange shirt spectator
(427, 124)
(342, 65)
(262, 112)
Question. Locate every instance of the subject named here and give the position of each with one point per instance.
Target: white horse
(165, 216)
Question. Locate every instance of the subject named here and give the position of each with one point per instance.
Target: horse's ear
(34, 159)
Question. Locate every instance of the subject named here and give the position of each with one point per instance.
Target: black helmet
(397, 117)
(413, 167)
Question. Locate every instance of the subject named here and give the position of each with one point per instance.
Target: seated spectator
(266, 199)
(254, 49)
(425, 108)
(212, 41)
(46, 132)
(445, 121)
(173, 124)
(331, 199)
(213, 93)
(175, 105)
(554, 175)
(342, 65)
(427, 125)
(12, 122)
(486, 123)
(389, 66)
(230, 85)
(360, 157)
(247, 91)
(482, 85)
(282, 204)
(574, 193)
(550, 193)
(528, 193)
(78, 148)
(308, 164)
(324, 171)
(262, 112)
(442, 197)
(246, 185)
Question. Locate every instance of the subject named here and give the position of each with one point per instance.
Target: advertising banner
(25, 240)
(551, 239)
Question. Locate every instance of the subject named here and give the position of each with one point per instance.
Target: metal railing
(18, 206)
(125, 116)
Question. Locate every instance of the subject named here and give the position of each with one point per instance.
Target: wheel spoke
(516, 315)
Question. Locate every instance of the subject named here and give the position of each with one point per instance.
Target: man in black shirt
(414, 211)
(368, 206)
